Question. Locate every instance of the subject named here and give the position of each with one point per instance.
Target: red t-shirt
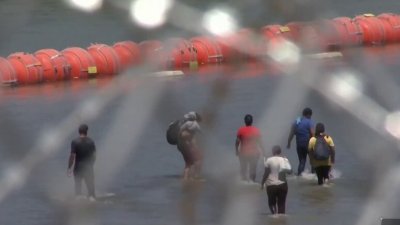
(248, 136)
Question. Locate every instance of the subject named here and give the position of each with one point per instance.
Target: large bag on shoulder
(322, 151)
(173, 132)
(285, 164)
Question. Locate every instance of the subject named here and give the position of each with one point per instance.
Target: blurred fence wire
(346, 87)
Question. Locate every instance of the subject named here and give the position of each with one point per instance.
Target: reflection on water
(53, 90)
(188, 203)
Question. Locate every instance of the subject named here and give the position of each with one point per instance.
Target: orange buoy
(249, 42)
(296, 31)
(371, 28)
(82, 63)
(272, 36)
(310, 38)
(207, 49)
(242, 45)
(228, 51)
(275, 31)
(349, 32)
(128, 53)
(55, 65)
(150, 49)
(319, 36)
(391, 24)
(178, 53)
(106, 59)
(7, 72)
(332, 33)
(27, 67)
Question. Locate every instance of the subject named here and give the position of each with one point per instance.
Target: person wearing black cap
(82, 158)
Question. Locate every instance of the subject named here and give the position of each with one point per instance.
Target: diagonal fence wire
(16, 176)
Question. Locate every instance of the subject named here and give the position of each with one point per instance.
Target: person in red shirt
(248, 148)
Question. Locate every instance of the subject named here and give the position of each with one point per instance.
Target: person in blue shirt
(303, 129)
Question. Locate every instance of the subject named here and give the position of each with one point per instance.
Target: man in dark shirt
(82, 157)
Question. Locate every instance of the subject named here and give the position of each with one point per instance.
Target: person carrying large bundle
(184, 134)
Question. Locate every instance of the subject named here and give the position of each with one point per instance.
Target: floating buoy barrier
(309, 37)
(106, 59)
(272, 36)
(371, 29)
(245, 46)
(331, 34)
(8, 75)
(208, 50)
(55, 65)
(275, 31)
(350, 33)
(82, 63)
(242, 46)
(150, 50)
(179, 53)
(391, 25)
(128, 53)
(27, 67)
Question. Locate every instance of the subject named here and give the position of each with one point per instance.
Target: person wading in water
(82, 158)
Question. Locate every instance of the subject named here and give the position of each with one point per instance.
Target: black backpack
(173, 132)
(322, 151)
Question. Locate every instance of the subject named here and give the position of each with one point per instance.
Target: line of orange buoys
(246, 45)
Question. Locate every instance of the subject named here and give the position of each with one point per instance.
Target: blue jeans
(302, 154)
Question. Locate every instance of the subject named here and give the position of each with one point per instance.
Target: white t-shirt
(279, 167)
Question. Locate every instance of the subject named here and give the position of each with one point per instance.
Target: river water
(138, 173)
